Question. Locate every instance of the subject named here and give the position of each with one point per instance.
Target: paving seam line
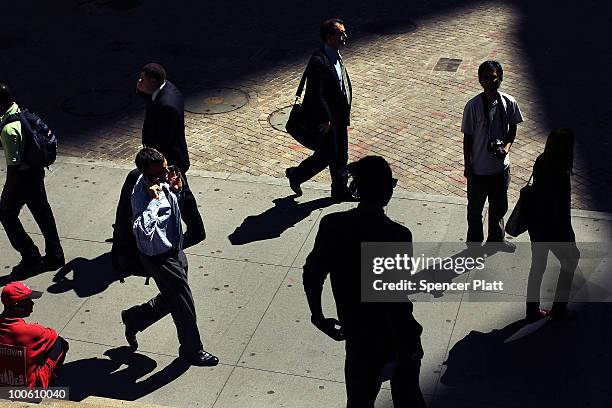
(312, 185)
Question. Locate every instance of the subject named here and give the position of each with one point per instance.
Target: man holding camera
(489, 129)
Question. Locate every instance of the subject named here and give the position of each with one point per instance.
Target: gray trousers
(169, 271)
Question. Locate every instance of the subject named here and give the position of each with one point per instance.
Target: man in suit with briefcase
(327, 107)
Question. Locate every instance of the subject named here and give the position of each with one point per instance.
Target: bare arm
(511, 137)
(467, 149)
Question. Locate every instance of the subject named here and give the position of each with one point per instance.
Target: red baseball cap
(16, 292)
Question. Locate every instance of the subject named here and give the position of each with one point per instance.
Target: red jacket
(38, 341)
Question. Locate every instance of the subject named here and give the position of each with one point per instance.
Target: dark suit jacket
(124, 252)
(324, 100)
(383, 327)
(164, 126)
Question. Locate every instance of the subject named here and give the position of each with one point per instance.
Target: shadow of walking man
(106, 378)
(546, 363)
(89, 276)
(276, 220)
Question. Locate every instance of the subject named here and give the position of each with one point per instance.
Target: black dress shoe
(51, 263)
(201, 358)
(295, 186)
(130, 331)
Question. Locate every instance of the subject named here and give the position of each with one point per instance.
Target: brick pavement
(403, 110)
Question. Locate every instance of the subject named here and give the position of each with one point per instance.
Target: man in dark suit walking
(164, 130)
(327, 105)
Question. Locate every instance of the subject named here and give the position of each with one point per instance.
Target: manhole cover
(210, 101)
(390, 27)
(98, 102)
(106, 6)
(447, 64)
(278, 118)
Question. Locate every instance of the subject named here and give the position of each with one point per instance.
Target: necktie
(345, 88)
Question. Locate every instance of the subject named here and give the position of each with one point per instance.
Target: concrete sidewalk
(252, 312)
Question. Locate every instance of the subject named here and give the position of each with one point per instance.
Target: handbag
(519, 219)
(297, 124)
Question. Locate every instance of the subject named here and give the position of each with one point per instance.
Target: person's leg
(191, 216)
(568, 255)
(338, 159)
(539, 258)
(140, 317)
(47, 372)
(39, 206)
(180, 301)
(144, 315)
(476, 195)
(405, 388)
(498, 204)
(361, 378)
(11, 202)
(314, 164)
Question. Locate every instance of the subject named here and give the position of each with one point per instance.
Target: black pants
(333, 152)
(30, 191)
(169, 271)
(495, 188)
(568, 255)
(362, 371)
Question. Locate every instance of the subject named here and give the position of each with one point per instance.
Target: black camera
(496, 148)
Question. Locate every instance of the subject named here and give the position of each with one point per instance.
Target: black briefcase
(298, 125)
(519, 219)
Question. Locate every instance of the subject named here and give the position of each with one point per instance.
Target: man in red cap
(45, 350)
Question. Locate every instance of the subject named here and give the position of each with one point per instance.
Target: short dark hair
(5, 96)
(148, 156)
(328, 27)
(155, 71)
(489, 66)
(372, 179)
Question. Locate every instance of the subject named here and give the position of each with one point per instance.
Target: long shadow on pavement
(90, 276)
(102, 377)
(547, 363)
(274, 221)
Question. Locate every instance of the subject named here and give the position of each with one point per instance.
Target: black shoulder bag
(297, 124)
(519, 219)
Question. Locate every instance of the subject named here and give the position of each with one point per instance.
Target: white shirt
(475, 124)
(157, 91)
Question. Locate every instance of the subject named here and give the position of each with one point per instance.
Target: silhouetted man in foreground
(164, 130)
(382, 339)
(327, 104)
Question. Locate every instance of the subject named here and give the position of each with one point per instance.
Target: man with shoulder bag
(326, 111)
